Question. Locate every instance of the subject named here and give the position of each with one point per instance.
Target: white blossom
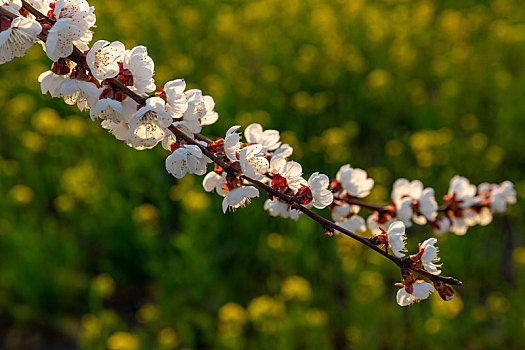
(441, 225)
(404, 210)
(213, 181)
(355, 223)
(18, 38)
(408, 194)
(421, 291)
(269, 139)
(342, 211)
(291, 171)
(462, 191)
(355, 181)
(141, 67)
(403, 188)
(148, 125)
(322, 196)
(13, 6)
(460, 224)
(187, 159)
(73, 20)
(82, 93)
(61, 38)
(41, 5)
(427, 204)
(396, 238)
(501, 195)
(78, 10)
(285, 151)
(51, 82)
(232, 143)
(120, 129)
(239, 197)
(374, 225)
(277, 207)
(253, 163)
(104, 57)
(484, 216)
(210, 117)
(430, 255)
(107, 109)
(176, 99)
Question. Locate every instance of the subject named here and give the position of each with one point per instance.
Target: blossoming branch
(116, 85)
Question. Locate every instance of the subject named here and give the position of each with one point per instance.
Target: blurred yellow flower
(33, 141)
(232, 312)
(123, 341)
(168, 338)
(22, 194)
(316, 317)
(90, 326)
(147, 313)
(104, 285)
(296, 287)
(64, 203)
(518, 255)
(231, 319)
(496, 302)
(432, 325)
(378, 79)
(449, 309)
(495, 154)
(194, 200)
(81, 182)
(394, 148)
(265, 312)
(275, 241)
(47, 121)
(146, 214)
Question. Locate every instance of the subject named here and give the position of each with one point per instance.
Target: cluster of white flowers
(95, 84)
(117, 86)
(350, 183)
(74, 18)
(413, 289)
(465, 208)
(17, 33)
(263, 158)
(413, 203)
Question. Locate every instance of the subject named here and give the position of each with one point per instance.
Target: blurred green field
(101, 248)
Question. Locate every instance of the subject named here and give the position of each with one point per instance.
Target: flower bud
(445, 291)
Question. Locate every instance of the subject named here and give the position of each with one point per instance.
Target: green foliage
(101, 248)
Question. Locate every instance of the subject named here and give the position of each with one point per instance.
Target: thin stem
(326, 224)
(202, 138)
(376, 207)
(35, 12)
(78, 57)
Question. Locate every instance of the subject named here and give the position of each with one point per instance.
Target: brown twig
(326, 224)
(376, 207)
(78, 57)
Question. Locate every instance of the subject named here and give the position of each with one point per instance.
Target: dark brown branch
(35, 12)
(78, 57)
(376, 207)
(202, 138)
(326, 224)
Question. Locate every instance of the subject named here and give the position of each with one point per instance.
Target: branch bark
(78, 57)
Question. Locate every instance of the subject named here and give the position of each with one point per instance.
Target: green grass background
(101, 248)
